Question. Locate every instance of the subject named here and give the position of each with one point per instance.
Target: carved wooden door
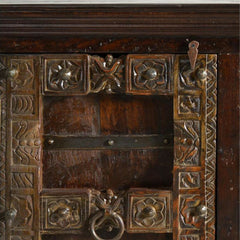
(107, 147)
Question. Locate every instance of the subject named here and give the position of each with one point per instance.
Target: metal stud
(50, 141)
(110, 142)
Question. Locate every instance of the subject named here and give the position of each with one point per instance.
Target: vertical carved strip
(210, 164)
(24, 146)
(194, 147)
(2, 144)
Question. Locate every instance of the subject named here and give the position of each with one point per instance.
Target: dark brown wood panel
(228, 148)
(71, 116)
(108, 115)
(116, 44)
(107, 169)
(136, 115)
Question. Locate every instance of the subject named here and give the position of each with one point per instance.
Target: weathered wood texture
(228, 148)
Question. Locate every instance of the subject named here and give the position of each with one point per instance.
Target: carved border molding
(23, 146)
(129, 20)
(194, 93)
(210, 164)
(195, 147)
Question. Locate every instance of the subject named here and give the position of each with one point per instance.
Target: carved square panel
(22, 180)
(66, 75)
(189, 180)
(149, 211)
(23, 104)
(149, 74)
(107, 74)
(22, 238)
(192, 79)
(189, 237)
(24, 177)
(190, 211)
(189, 105)
(64, 211)
(187, 142)
(26, 142)
(21, 74)
(24, 207)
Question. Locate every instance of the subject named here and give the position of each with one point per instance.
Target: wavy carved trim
(210, 164)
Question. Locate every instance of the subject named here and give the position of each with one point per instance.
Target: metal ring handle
(102, 215)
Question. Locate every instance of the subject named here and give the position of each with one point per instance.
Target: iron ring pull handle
(102, 216)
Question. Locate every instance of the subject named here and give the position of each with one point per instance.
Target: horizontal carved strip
(142, 74)
(147, 210)
(109, 142)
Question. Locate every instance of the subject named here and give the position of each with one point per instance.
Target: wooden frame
(218, 37)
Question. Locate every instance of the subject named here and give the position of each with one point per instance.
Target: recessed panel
(103, 169)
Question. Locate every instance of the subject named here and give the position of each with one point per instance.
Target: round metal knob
(149, 211)
(11, 213)
(202, 73)
(50, 141)
(165, 141)
(65, 73)
(10, 216)
(151, 74)
(13, 72)
(110, 142)
(202, 209)
(109, 89)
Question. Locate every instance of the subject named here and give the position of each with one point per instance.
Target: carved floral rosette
(149, 211)
(63, 211)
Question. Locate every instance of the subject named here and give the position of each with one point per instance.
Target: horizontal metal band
(109, 142)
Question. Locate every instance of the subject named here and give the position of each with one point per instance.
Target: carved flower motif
(63, 213)
(150, 74)
(106, 74)
(64, 75)
(21, 74)
(187, 142)
(189, 104)
(149, 212)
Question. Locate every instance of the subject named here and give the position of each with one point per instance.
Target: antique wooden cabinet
(109, 123)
